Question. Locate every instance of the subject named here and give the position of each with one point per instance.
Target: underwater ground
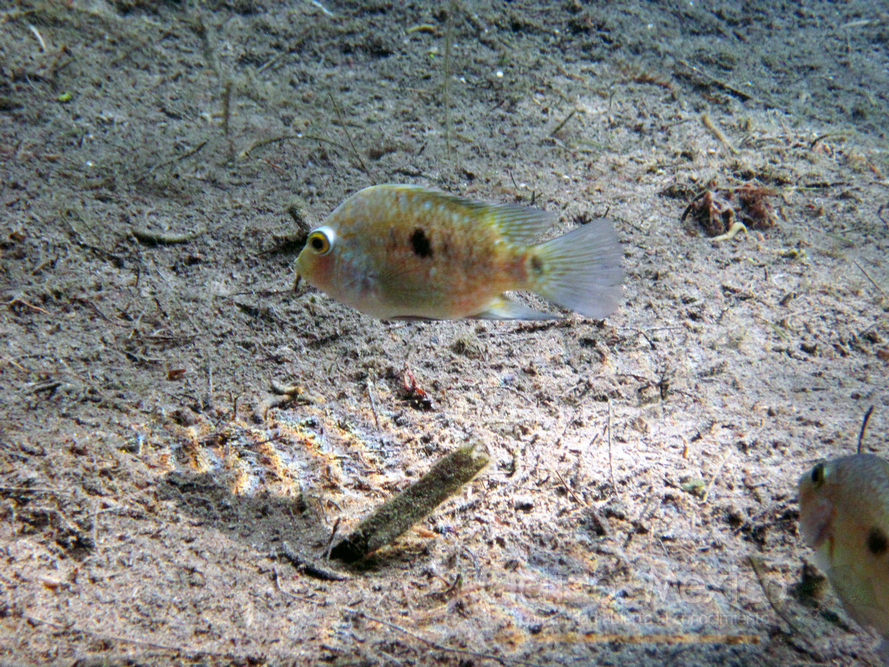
(172, 412)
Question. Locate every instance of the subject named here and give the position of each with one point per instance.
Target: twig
(336, 525)
(564, 122)
(25, 303)
(637, 524)
(610, 460)
(756, 564)
(738, 226)
(402, 511)
(309, 565)
(129, 640)
(322, 8)
(292, 595)
(184, 156)
(339, 116)
(743, 95)
(564, 431)
(880, 214)
(446, 87)
(872, 281)
(373, 405)
(440, 647)
(162, 238)
(691, 204)
(227, 91)
(822, 137)
(579, 500)
(713, 479)
(864, 422)
(716, 132)
(259, 143)
(653, 638)
(38, 36)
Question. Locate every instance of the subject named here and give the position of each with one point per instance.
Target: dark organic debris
(719, 210)
(312, 567)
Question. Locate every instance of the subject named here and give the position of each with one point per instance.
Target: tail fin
(581, 270)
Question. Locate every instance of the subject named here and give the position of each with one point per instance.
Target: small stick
(446, 87)
(227, 91)
(756, 564)
(39, 37)
(285, 390)
(867, 415)
(25, 303)
(731, 233)
(822, 137)
(259, 143)
(293, 595)
(713, 479)
(880, 213)
(564, 122)
(309, 566)
(440, 647)
(610, 461)
(867, 275)
(858, 24)
(423, 27)
(399, 513)
(226, 107)
(637, 524)
(184, 156)
(744, 96)
(716, 132)
(105, 637)
(322, 8)
(373, 405)
(161, 238)
(577, 499)
(691, 204)
(339, 116)
(336, 525)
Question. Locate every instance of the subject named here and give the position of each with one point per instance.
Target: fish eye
(818, 475)
(321, 240)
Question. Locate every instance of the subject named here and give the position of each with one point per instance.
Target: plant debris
(721, 210)
(398, 514)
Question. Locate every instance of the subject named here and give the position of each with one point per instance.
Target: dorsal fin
(518, 224)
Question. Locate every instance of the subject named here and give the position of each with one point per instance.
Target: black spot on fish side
(877, 542)
(421, 244)
(537, 265)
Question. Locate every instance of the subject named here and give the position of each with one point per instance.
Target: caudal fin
(581, 270)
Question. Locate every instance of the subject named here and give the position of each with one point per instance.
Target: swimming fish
(407, 252)
(844, 516)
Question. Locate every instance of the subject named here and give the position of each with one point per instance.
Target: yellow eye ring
(320, 241)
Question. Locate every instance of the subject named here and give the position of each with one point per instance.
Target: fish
(407, 252)
(844, 516)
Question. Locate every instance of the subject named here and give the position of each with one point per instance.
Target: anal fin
(506, 309)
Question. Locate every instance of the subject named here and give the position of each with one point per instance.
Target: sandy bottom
(156, 157)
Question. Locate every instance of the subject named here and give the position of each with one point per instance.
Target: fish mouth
(820, 535)
(815, 525)
(298, 278)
